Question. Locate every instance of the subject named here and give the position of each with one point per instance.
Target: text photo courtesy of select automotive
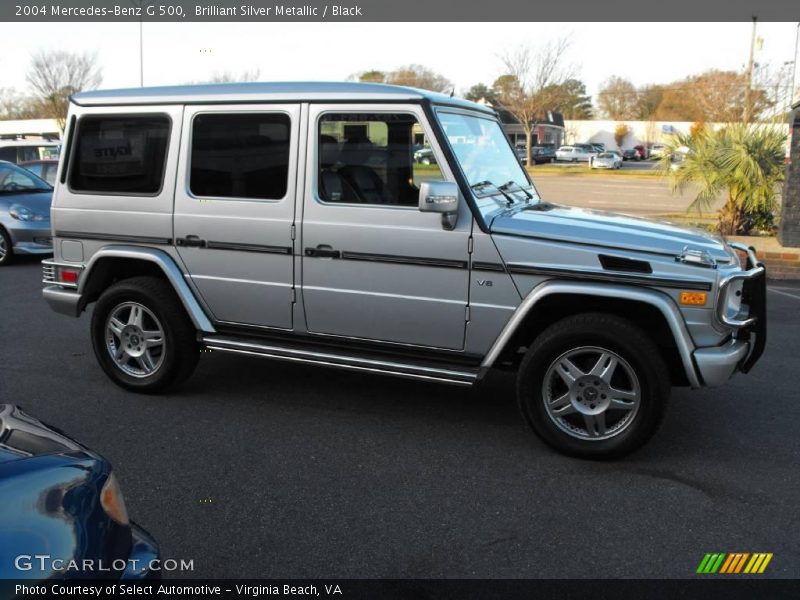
(521, 312)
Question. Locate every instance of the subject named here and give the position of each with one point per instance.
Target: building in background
(645, 133)
(45, 128)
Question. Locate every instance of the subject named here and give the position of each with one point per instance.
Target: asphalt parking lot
(263, 469)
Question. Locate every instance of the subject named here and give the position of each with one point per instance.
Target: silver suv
(290, 221)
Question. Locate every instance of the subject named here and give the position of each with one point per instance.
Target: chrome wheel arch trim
(171, 271)
(662, 302)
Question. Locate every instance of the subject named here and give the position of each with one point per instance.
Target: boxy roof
(267, 92)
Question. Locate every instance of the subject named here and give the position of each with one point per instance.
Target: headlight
(112, 501)
(23, 213)
(694, 256)
(733, 299)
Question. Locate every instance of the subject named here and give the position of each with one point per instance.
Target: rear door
(234, 210)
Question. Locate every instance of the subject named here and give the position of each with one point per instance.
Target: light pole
(141, 4)
(748, 108)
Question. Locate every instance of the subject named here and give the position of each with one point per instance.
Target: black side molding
(113, 237)
(610, 277)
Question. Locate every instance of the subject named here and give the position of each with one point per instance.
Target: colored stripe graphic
(741, 562)
(731, 560)
(711, 563)
(733, 563)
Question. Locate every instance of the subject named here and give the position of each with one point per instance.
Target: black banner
(385, 10)
(390, 589)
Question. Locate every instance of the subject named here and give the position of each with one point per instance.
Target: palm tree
(744, 160)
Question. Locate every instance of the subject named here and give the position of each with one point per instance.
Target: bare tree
(371, 76)
(416, 76)
(530, 85)
(419, 77)
(618, 99)
(15, 105)
(56, 75)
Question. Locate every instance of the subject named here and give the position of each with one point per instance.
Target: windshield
(486, 158)
(14, 179)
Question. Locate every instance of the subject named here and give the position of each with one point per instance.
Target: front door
(234, 210)
(374, 266)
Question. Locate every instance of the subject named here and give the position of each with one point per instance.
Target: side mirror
(440, 197)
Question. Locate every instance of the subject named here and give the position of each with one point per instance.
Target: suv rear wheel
(142, 337)
(593, 385)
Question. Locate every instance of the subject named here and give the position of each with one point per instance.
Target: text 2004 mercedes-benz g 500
(292, 221)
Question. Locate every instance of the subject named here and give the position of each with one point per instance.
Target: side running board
(457, 375)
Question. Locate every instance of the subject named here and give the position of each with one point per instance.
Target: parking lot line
(778, 291)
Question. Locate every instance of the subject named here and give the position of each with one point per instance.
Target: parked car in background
(640, 148)
(605, 160)
(62, 502)
(618, 154)
(677, 160)
(24, 213)
(544, 153)
(574, 154)
(598, 147)
(425, 157)
(19, 151)
(631, 154)
(657, 150)
(45, 169)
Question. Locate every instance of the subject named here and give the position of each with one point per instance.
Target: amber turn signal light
(693, 298)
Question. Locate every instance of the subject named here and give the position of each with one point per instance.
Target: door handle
(323, 251)
(190, 241)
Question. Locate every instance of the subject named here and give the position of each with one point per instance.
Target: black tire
(6, 257)
(180, 351)
(603, 331)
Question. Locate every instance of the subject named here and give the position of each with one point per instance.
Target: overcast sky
(466, 53)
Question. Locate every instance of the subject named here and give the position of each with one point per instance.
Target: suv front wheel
(142, 337)
(593, 385)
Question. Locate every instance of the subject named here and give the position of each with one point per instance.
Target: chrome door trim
(342, 361)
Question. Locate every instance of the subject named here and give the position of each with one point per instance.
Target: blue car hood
(22, 436)
(36, 201)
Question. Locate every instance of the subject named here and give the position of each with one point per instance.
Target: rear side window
(240, 155)
(120, 155)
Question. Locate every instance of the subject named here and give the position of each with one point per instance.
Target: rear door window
(242, 155)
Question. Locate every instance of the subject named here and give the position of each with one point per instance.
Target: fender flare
(167, 265)
(659, 300)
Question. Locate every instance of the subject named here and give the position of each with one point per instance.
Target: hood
(605, 229)
(38, 202)
(22, 436)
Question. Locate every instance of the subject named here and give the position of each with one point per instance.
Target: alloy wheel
(135, 339)
(591, 393)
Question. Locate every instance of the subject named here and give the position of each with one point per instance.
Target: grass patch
(585, 171)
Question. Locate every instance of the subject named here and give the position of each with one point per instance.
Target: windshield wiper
(509, 184)
(481, 185)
